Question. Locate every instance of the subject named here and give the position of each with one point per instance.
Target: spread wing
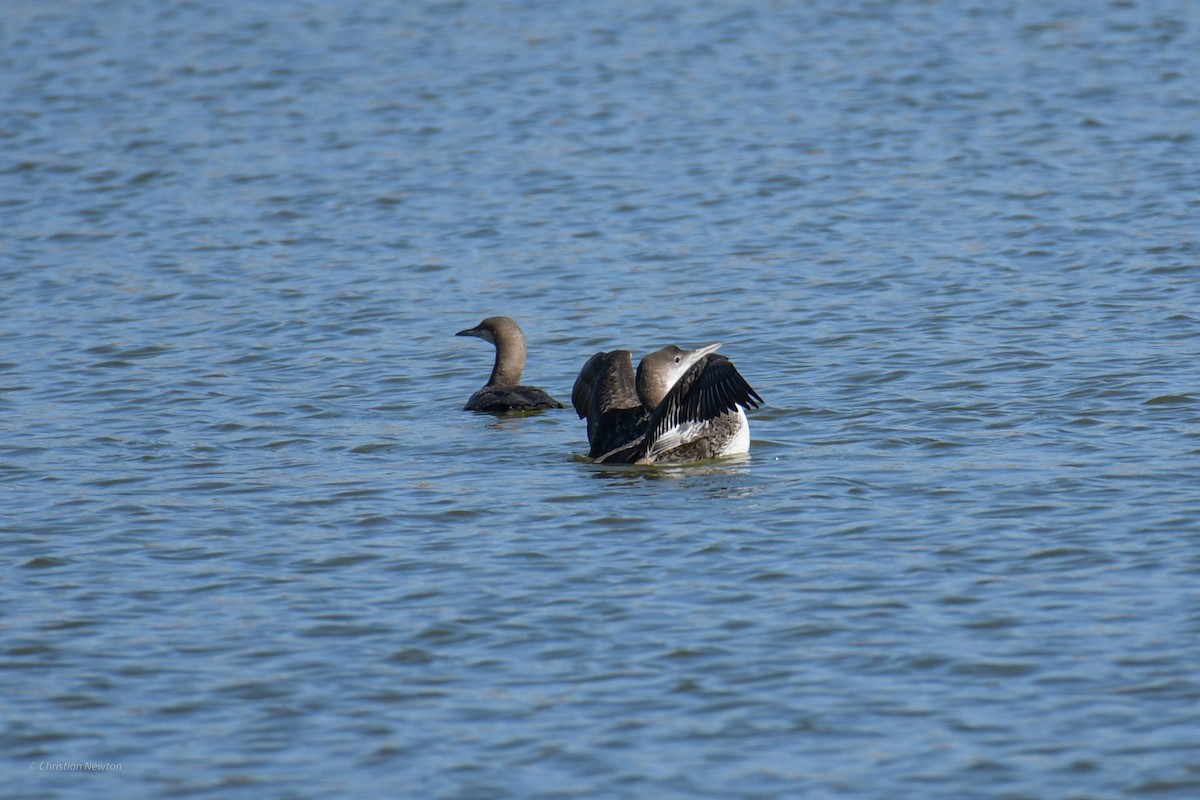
(712, 387)
(605, 393)
(586, 382)
(605, 382)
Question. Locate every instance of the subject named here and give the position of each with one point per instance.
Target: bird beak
(701, 352)
(469, 332)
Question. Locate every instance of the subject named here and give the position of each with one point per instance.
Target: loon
(503, 390)
(681, 405)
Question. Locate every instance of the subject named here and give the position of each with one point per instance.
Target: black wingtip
(753, 399)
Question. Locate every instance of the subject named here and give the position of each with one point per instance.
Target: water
(252, 546)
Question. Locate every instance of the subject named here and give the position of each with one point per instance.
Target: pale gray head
(663, 368)
(506, 335)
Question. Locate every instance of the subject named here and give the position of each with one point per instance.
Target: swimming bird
(680, 405)
(503, 390)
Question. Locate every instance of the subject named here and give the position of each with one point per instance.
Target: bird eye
(676, 359)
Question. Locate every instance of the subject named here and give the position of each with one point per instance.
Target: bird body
(679, 406)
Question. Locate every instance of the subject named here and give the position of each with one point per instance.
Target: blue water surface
(253, 547)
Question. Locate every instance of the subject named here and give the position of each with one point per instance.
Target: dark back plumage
(499, 399)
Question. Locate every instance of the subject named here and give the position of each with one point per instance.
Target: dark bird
(680, 405)
(503, 390)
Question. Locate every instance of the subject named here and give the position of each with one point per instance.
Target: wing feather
(606, 382)
(605, 393)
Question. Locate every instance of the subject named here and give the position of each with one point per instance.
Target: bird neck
(510, 361)
(650, 387)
